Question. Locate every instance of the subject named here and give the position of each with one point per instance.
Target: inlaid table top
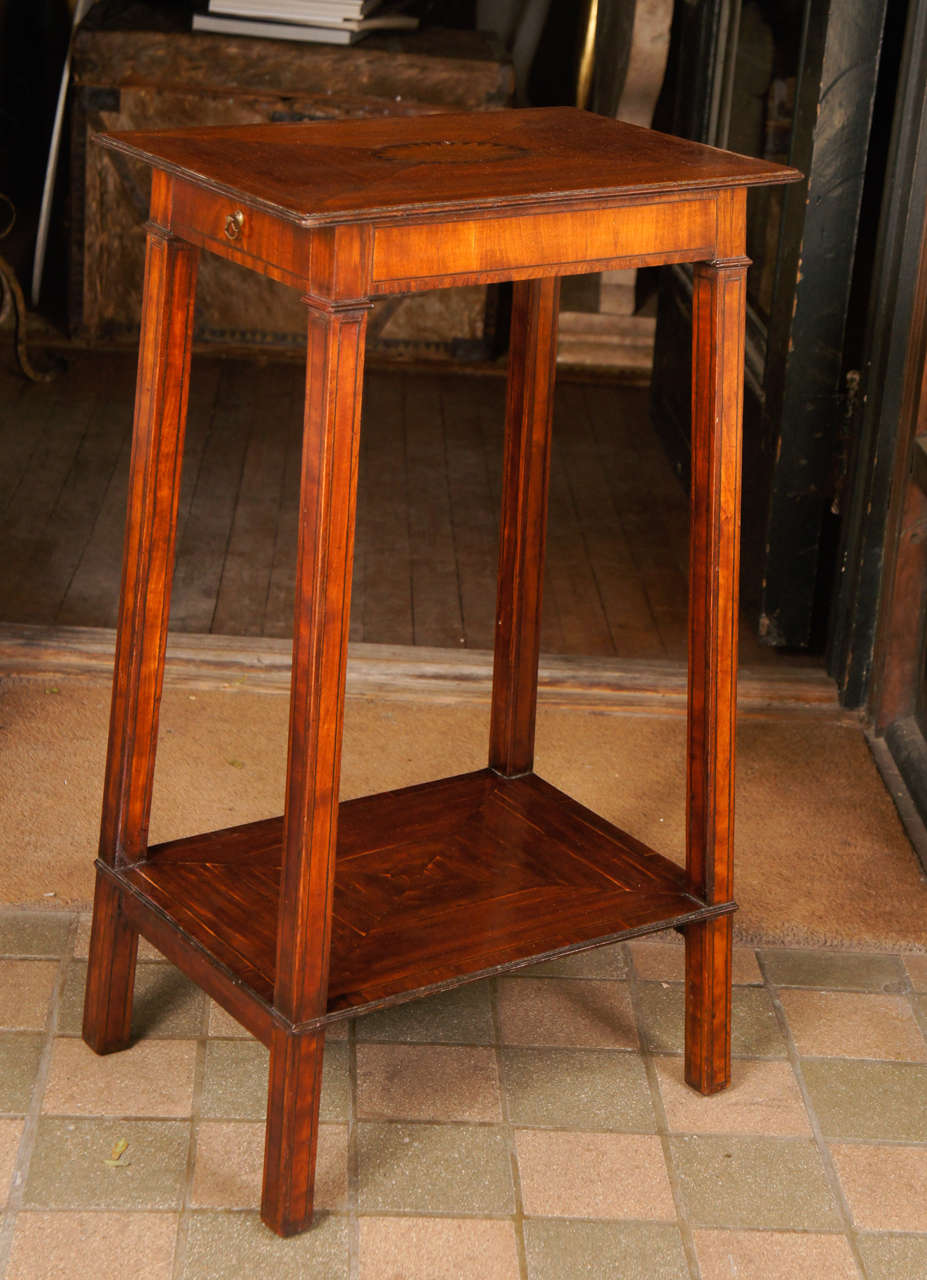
(377, 170)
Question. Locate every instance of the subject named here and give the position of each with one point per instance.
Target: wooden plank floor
(425, 561)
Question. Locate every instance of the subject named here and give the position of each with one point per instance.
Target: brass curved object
(10, 292)
(234, 224)
(587, 57)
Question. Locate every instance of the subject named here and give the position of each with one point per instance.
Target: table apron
(413, 255)
(260, 242)
(424, 256)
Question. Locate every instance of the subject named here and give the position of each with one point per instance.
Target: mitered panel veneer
(434, 885)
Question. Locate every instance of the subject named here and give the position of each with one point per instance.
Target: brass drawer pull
(234, 223)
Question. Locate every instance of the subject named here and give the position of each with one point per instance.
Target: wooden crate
(150, 80)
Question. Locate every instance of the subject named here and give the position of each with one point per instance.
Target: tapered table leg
(525, 480)
(154, 486)
(320, 645)
(718, 322)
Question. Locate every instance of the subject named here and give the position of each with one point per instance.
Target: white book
(323, 12)
(342, 33)
(285, 11)
(345, 32)
(274, 30)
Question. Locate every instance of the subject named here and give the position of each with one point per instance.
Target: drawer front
(428, 253)
(254, 238)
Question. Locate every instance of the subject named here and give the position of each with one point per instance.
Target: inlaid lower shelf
(436, 884)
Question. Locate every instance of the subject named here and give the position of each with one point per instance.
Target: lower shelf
(435, 884)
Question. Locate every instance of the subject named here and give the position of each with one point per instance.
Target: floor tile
(657, 960)
(763, 1098)
(437, 1249)
(559, 1249)
(11, 1132)
(837, 970)
(82, 935)
(774, 1255)
(427, 1082)
(106, 1246)
(885, 1187)
(737, 1181)
(235, 1081)
(82, 942)
(665, 962)
(434, 1168)
(593, 1175)
(69, 1169)
(849, 1024)
(591, 1168)
(755, 1029)
(875, 1100)
(230, 1161)
(222, 1024)
(336, 1083)
(920, 1005)
(888, 1257)
(230, 1246)
(25, 992)
(165, 1003)
(151, 1078)
(560, 1011)
(600, 962)
(19, 1063)
(460, 1016)
(916, 967)
(35, 933)
(576, 1089)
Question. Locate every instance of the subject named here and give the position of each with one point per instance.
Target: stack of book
(325, 21)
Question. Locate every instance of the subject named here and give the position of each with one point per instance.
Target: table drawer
(256, 239)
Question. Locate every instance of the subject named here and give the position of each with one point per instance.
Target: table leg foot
(110, 972)
(292, 1131)
(708, 1004)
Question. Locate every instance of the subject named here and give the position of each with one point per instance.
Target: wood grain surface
(719, 301)
(434, 884)
(380, 169)
(526, 473)
(148, 554)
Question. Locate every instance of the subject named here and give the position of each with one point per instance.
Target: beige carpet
(822, 858)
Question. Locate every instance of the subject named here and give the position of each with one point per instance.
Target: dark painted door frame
(883, 423)
(795, 392)
(805, 384)
(879, 641)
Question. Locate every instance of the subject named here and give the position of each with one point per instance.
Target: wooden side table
(295, 922)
